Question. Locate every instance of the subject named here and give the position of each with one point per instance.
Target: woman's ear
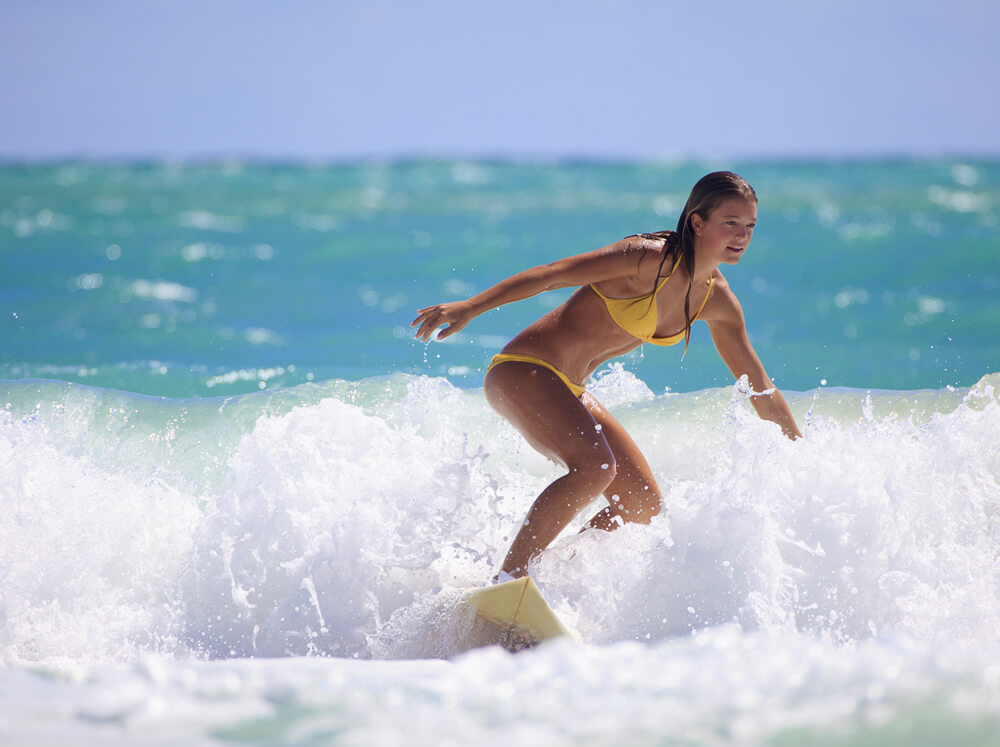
(697, 224)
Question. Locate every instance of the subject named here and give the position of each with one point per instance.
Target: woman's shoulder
(650, 250)
(720, 283)
(645, 242)
(658, 243)
(638, 251)
(722, 303)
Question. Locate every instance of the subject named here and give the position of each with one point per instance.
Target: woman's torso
(581, 334)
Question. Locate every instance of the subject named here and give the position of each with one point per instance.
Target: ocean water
(206, 280)
(240, 503)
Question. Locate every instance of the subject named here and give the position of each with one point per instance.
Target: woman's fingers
(427, 329)
(436, 316)
(421, 315)
(428, 319)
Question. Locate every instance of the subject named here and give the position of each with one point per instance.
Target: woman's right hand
(455, 314)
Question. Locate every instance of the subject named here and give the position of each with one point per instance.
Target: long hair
(710, 191)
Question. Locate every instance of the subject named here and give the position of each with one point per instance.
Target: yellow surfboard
(519, 613)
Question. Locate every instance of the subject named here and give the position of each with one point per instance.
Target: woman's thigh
(550, 417)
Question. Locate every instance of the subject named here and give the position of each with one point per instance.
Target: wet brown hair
(709, 192)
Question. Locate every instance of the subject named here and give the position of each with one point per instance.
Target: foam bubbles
(616, 386)
(89, 556)
(341, 519)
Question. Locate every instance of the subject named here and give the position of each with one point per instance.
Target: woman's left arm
(729, 333)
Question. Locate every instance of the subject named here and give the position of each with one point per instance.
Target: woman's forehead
(736, 207)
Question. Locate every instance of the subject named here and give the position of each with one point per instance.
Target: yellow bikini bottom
(518, 358)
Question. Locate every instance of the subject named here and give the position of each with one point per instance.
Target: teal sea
(199, 280)
(240, 504)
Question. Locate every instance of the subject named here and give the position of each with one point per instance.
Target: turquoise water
(197, 280)
(240, 504)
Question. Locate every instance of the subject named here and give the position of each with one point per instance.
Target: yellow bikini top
(639, 319)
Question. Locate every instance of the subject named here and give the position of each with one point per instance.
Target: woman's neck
(704, 268)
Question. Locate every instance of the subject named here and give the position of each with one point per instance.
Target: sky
(311, 80)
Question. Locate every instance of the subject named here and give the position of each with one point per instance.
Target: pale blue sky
(635, 79)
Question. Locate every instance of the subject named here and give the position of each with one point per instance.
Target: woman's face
(725, 234)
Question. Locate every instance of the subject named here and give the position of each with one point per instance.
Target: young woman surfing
(644, 288)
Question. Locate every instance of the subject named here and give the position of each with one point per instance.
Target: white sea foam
(846, 578)
(721, 687)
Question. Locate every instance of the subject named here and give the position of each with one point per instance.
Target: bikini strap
(705, 300)
(639, 298)
(671, 273)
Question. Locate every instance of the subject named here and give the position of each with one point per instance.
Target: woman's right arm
(728, 328)
(615, 260)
